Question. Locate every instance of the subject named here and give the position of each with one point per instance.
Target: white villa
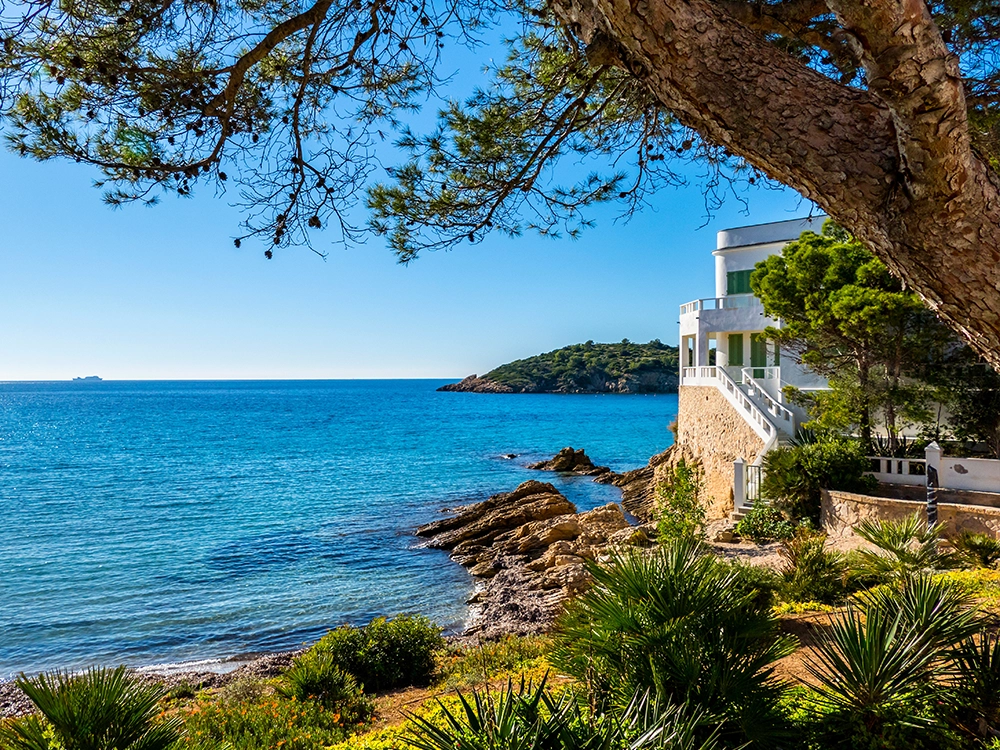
(731, 405)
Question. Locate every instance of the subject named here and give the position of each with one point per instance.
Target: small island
(89, 378)
(583, 368)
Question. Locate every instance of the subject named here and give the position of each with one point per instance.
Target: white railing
(911, 471)
(731, 302)
(756, 418)
(779, 411)
(968, 474)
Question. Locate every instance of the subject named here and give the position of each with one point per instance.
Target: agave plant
(677, 622)
(905, 547)
(977, 682)
(100, 709)
(529, 718)
(880, 663)
(977, 550)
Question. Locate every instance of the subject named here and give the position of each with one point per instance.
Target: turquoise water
(158, 522)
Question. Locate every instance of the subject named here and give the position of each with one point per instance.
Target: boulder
(571, 461)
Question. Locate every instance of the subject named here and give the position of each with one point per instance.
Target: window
(736, 350)
(738, 282)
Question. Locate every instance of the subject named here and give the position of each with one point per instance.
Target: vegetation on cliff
(584, 368)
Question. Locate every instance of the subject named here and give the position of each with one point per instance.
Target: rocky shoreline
(528, 549)
(650, 382)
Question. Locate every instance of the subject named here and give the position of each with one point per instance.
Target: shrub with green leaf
(101, 709)
(763, 523)
(468, 664)
(977, 550)
(674, 622)
(272, 723)
(679, 505)
(529, 718)
(385, 653)
(315, 676)
(812, 573)
(977, 683)
(795, 475)
(905, 547)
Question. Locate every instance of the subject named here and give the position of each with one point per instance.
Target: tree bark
(893, 164)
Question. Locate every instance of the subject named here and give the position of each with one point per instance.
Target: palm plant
(905, 547)
(529, 718)
(100, 709)
(812, 573)
(977, 550)
(677, 622)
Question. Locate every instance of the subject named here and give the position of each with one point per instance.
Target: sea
(162, 523)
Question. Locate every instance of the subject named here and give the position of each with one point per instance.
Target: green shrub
(905, 547)
(674, 621)
(812, 574)
(385, 653)
(758, 583)
(977, 550)
(96, 710)
(977, 662)
(763, 523)
(273, 723)
(678, 502)
(315, 676)
(470, 664)
(795, 475)
(529, 718)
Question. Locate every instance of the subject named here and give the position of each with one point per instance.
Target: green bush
(100, 709)
(385, 653)
(471, 664)
(762, 523)
(315, 676)
(674, 621)
(812, 574)
(977, 550)
(795, 475)
(678, 502)
(273, 723)
(758, 583)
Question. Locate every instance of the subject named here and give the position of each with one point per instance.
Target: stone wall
(840, 511)
(710, 429)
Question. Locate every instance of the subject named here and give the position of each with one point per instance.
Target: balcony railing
(775, 408)
(730, 302)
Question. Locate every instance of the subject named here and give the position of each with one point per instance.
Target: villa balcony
(735, 312)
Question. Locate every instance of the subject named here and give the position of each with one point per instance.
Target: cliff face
(583, 368)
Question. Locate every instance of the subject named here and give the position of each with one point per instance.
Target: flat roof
(762, 234)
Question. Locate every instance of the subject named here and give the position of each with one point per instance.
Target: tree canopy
(847, 318)
(884, 112)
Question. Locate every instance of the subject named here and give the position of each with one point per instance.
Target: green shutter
(758, 353)
(738, 282)
(736, 350)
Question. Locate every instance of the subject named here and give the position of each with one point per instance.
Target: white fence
(970, 474)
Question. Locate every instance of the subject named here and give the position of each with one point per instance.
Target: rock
(476, 384)
(529, 550)
(483, 521)
(725, 536)
(571, 461)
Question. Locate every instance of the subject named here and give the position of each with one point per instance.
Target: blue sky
(161, 293)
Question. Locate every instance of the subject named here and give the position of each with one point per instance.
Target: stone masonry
(714, 432)
(841, 511)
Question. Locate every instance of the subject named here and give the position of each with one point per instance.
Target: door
(735, 350)
(758, 353)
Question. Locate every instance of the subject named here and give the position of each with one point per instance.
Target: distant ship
(89, 377)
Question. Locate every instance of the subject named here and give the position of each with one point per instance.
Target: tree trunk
(893, 164)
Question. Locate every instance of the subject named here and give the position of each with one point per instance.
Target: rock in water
(529, 547)
(571, 461)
